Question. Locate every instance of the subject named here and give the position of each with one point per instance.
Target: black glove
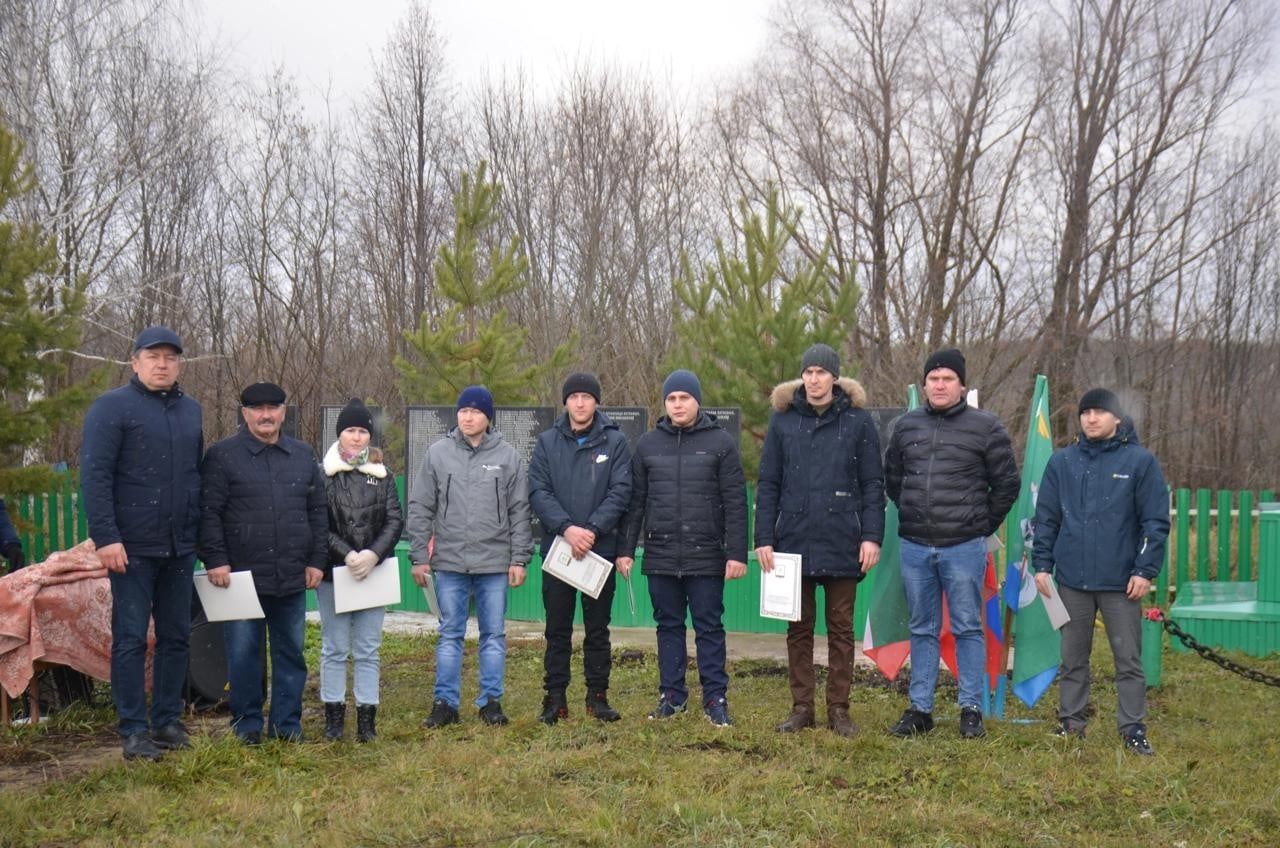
(13, 553)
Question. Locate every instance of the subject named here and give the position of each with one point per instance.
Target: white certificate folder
(587, 574)
(780, 588)
(231, 603)
(379, 588)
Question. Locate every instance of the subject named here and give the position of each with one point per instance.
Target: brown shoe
(840, 723)
(800, 718)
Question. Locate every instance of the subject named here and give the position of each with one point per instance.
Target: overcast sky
(686, 41)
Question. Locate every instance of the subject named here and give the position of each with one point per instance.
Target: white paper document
(429, 592)
(780, 588)
(1054, 606)
(379, 588)
(587, 574)
(233, 603)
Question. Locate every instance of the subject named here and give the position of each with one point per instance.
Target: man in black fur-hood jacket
(821, 495)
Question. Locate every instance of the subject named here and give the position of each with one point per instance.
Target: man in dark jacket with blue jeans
(264, 510)
(689, 493)
(1102, 518)
(579, 487)
(140, 487)
(821, 495)
(950, 469)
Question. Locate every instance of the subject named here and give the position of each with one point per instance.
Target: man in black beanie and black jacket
(950, 469)
(579, 487)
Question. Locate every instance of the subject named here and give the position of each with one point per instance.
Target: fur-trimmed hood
(785, 393)
(333, 463)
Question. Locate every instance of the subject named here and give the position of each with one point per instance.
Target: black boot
(598, 706)
(366, 729)
(335, 716)
(554, 708)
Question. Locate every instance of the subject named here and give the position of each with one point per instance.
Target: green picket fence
(1214, 537)
(50, 521)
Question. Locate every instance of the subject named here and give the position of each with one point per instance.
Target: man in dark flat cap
(264, 510)
(140, 487)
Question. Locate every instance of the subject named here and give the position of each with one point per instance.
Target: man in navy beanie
(471, 496)
(689, 493)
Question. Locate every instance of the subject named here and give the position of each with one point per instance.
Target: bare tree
(400, 166)
(1139, 88)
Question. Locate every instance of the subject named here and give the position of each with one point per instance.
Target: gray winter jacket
(474, 502)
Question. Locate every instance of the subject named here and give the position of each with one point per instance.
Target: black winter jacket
(952, 474)
(587, 484)
(263, 509)
(1102, 514)
(689, 492)
(140, 470)
(364, 508)
(821, 489)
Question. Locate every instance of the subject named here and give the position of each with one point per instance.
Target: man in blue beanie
(689, 493)
(471, 495)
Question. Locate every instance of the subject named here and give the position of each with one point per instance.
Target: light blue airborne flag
(1037, 646)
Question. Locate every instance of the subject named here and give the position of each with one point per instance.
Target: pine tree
(749, 317)
(474, 340)
(39, 316)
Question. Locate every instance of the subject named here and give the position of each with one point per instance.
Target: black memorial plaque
(730, 418)
(520, 425)
(633, 421)
(424, 426)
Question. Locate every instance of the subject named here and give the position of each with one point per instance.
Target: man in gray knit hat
(823, 451)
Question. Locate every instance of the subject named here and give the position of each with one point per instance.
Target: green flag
(1037, 646)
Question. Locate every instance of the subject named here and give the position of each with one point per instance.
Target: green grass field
(1215, 779)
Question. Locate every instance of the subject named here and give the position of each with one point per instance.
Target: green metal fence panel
(53, 507)
(1224, 535)
(1161, 598)
(1244, 538)
(42, 539)
(1182, 538)
(70, 513)
(1204, 505)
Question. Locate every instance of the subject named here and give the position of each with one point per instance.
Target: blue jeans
(454, 592)
(703, 597)
(355, 634)
(282, 628)
(928, 573)
(159, 588)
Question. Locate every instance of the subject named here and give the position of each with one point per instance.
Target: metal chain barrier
(1156, 614)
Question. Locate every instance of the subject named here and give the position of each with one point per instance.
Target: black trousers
(561, 600)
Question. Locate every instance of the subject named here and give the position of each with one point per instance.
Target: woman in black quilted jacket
(364, 525)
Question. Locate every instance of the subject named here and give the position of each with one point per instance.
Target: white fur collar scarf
(333, 464)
